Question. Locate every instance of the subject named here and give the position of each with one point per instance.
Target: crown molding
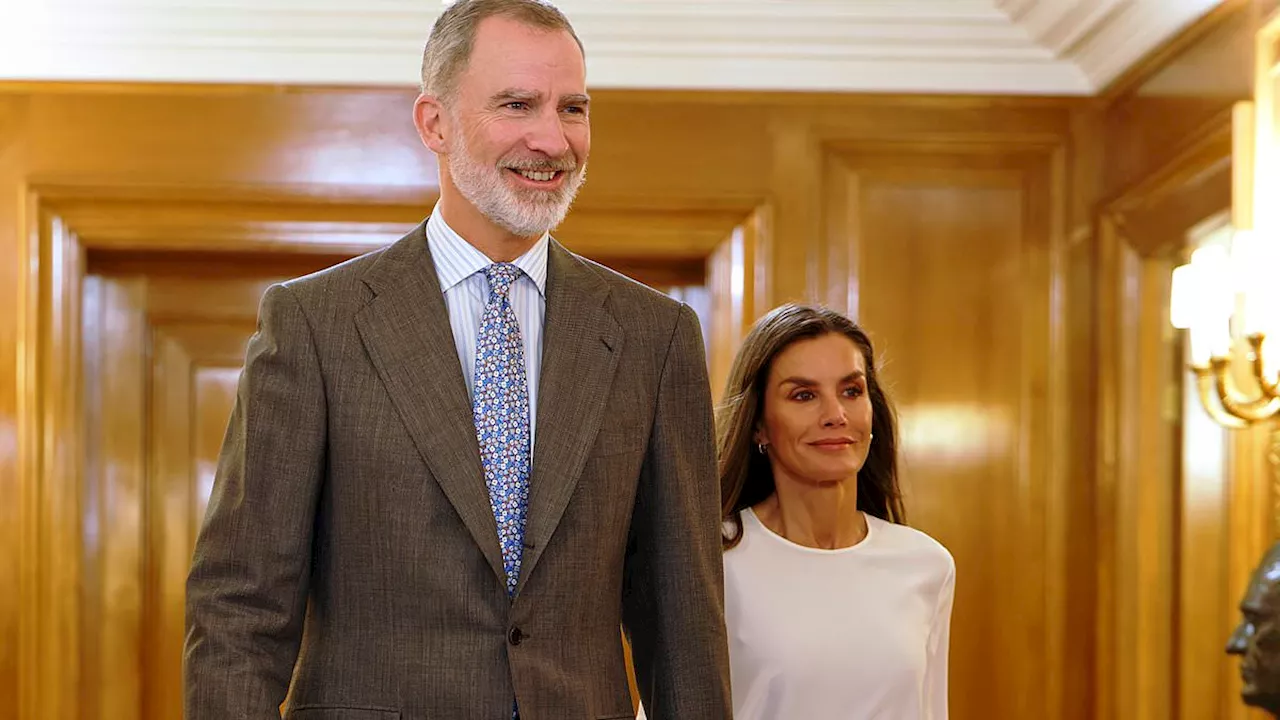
(1132, 30)
(1043, 47)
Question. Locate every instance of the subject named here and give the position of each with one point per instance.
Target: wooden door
(163, 352)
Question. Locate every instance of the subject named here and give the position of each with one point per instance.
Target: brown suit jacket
(350, 559)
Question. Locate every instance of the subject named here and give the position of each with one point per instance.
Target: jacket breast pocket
(341, 712)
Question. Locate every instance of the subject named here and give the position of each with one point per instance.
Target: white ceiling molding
(1130, 32)
(1049, 47)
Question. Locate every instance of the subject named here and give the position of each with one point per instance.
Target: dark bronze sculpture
(1257, 638)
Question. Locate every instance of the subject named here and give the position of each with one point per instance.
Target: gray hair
(449, 46)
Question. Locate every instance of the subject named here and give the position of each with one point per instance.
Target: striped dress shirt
(459, 266)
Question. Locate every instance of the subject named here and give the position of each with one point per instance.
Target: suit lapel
(405, 329)
(581, 345)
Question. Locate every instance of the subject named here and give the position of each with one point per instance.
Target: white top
(460, 269)
(858, 633)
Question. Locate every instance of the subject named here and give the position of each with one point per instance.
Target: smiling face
(515, 136)
(817, 413)
(1257, 638)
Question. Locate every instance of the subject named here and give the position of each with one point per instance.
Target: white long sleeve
(935, 681)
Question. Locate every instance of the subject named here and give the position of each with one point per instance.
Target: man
(1257, 638)
(457, 464)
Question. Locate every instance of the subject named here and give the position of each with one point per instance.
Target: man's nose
(547, 134)
(1239, 642)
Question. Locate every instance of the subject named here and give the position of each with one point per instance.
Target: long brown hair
(746, 478)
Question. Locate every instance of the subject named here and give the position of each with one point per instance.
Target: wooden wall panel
(241, 136)
(191, 361)
(644, 147)
(957, 301)
(50, 468)
(724, 276)
(163, 353)
(1207, 609)
(796, 162)
(1203, 678)
(13, 118)
(736, 280)
(214, 392)
(1140, 560)
(115, 496)
(12, 309)
(1077, 689)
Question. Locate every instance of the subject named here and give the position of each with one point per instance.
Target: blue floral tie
(501, 410)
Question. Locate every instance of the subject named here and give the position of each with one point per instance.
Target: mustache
(566, 163)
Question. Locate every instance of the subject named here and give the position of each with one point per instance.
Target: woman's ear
(760, 437)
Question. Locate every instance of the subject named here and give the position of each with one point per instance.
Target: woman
(835, 608)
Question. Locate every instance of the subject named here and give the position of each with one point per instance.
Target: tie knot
(500, 277)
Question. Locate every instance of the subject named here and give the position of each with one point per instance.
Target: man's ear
(429, 119)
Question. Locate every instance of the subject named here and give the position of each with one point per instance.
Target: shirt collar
(456, 259)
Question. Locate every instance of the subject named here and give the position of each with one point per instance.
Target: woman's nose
(833, 414)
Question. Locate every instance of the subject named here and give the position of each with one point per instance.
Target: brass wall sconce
(1228, 297)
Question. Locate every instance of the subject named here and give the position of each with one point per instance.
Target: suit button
(515, 635)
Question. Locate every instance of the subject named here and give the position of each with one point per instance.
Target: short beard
(521, 213)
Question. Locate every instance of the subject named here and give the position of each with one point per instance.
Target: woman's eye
(802, 395)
